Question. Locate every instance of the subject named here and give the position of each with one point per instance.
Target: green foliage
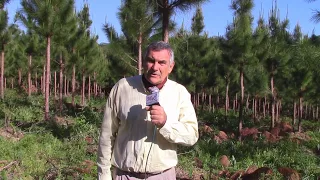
(284, 153)
(195, 62)
(206, 64)
(48, 147)
(4, 34)
(197, 22)
(38, 153)
(19, 107)
(314, 143)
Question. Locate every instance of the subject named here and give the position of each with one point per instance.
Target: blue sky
(217, 14)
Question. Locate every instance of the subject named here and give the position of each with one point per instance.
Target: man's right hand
(158, 115)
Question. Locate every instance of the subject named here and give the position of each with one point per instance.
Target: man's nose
(155, 66)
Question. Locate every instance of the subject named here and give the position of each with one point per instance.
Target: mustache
(150, 72)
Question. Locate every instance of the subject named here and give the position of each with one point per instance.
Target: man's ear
(171, 65)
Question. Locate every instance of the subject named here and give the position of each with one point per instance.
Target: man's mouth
(154, 74)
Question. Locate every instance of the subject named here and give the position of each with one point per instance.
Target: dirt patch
(11, 134)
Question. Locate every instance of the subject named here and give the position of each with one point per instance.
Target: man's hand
(157, 114)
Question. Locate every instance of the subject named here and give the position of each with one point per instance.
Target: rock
(225, 162)
(289, 174)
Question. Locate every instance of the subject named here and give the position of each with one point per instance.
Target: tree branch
(8, 166)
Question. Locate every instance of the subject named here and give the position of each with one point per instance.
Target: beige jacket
(127, 134)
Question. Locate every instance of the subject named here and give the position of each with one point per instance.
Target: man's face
(157, 66)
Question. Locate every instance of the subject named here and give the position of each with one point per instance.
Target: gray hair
(158, 46)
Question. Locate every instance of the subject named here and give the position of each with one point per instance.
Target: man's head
(158, 62)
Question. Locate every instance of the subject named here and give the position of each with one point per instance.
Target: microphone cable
(153, 90)
(153, 137)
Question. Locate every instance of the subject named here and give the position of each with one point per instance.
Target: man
(139, 141)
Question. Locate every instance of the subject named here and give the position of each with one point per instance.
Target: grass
(47, 149)
(284, 153)
(62, 151)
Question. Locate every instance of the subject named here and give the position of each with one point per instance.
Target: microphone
(153, 98)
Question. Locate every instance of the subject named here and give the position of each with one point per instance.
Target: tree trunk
(210, 102)
(255, 109)
(73, 82)
(252, 109)
(2, 75)
(198, 99)
(41, 84)
(247, 101)
(260, 106)
(19, 77)
(241, 103)
(61, 84)
(194, 100)
(217, 99)
(55, 85)
(65, 86)
(95, 84)
(306, 111)
(226, 103)
(44, 80)
(313, 113)
(272, 102)
(310, 112)
(29, 76)
(317, 113)
(264, 104)
(89, 88)
(140, 54)
(68, 87)
(36, 84)
(300, 115)
(277, 111)
(236, 102)
(83, 88)
(47, 83)
(165, 21)
(203, 98)
(294, 113)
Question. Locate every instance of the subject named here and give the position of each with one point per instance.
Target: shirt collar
(147, 84)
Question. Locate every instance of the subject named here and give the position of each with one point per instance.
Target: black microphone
(153, 98)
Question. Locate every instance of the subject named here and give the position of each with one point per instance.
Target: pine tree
(137, 24)
(3, 3)
(62, 54)
(278, 54)
(4, 39)
(239, 37)
(32, 41)
(47, 19)
(165, 9)
(197, 24)
(302, 69)
(16, 59)
(118, 52)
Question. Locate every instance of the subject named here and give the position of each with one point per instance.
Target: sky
(217, 15)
